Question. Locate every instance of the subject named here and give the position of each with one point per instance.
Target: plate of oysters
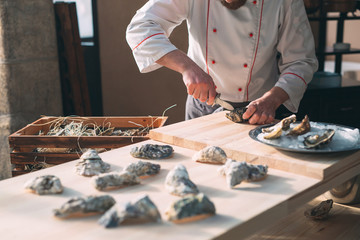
(307, 136)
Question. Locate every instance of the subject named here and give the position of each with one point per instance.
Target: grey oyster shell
(82, 206)
(190, 208)
(236, 115)
(315, 140)
(47, 184)
(140, 211)
(114, 180)
(210, 154)
(152, 151)
(143, 169)
(177, 182)
(321, 211)
(236, 172)
(90, 164)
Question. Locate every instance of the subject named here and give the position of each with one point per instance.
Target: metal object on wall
(29, 68)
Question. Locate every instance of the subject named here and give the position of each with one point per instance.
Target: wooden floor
(343, 223)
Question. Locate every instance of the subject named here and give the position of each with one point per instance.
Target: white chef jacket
(237, 48)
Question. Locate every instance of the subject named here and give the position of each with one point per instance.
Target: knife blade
(222, 103)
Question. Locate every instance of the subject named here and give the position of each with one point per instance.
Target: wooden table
(240, 212)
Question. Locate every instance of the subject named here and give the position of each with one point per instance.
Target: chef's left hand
(262, 110)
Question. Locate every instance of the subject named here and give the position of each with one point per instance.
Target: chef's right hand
(199, 84)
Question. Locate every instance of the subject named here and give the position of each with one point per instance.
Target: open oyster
(84, 206)
(236, 115)
(140, 211)
(91, 164)
(301, 128)
(47, 184)
(190, 208)
(236, 172)
(211, 154)
(275, 131)
(321, 211)
(143, 169)
(177, 182)
(315, 140)
(113, 180)
(152, 151)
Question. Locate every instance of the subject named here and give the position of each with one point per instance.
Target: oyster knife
(222, 103)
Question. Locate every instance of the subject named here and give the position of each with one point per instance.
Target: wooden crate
(25, 141)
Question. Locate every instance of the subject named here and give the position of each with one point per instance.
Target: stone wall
(29, 71)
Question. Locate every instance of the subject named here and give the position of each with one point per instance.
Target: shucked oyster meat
(114, 180)
(236, 172)
(190, 208)
(47, 184)
(152, 151)
(177, 182)
(143, 169)
(315, 140)
(301, 128)
(210, 154)
(140, 211)
(84, 206)
(91, 164)
(275, 131)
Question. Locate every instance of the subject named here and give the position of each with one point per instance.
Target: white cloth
(238, 48)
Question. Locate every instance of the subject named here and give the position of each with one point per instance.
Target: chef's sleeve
(296, 46)
(148, 32)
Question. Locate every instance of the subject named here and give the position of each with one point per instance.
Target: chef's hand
(199, 84)
(262, 110)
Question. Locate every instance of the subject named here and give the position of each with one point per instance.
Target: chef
(255, 53)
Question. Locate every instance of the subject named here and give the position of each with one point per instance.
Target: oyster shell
(315, 140)
(236, 172)
(177, 182)
(190, 208)
(321, 211)
(275, 131)
(236, 115)
(152, 151)
(90, 164)
(114, 180)
(301, 128)
(143, 169)
(211, 154)
(84, 206)
(140, 211)
(47, 184)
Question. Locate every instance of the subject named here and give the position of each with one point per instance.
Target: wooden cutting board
(216, 129)
(239, 212)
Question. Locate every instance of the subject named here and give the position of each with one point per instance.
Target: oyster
(275, 131)
(152, 151)
(190, 208)
(236, 172)
(47, 184)
(114, 180)
(177, 182)
(321, 211)
(236, 115)
(84, 206)
(301, 128)
(315, 140)
(257, 172)
(211, 154)
(140, 211)
(143, 169)
(91, 164)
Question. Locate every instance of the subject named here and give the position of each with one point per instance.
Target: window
(85, 18)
